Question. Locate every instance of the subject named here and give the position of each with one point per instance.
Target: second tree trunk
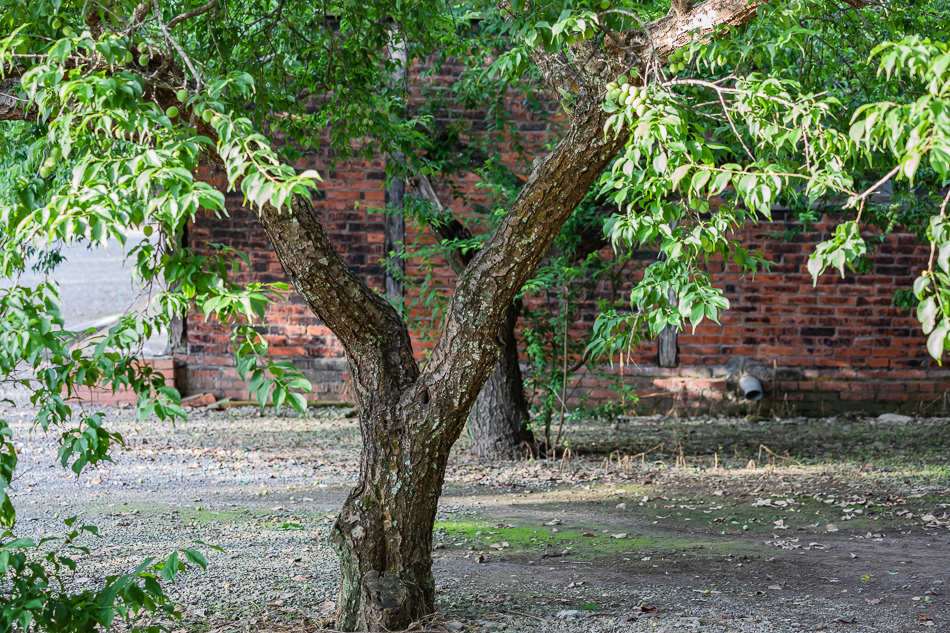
(498, 424)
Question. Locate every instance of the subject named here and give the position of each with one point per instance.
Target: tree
(116, 107)
(498, 424)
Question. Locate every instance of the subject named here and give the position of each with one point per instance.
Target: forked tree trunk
(498, 422)
(409, 418)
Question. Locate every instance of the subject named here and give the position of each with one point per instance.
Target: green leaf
(935, 342)
(910, 165)
(170, 566)
(697, 314)
(927, 314)
(815, 266)
(298, 401)
(943, 257)
(678, 174)
(195, 557)
(700, 178)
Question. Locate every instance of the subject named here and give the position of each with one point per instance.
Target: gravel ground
(266, 488)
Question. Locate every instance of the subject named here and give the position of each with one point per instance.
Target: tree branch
(466, 351)
(178, 19)
(373, 334)
(590, 240)
(445, 227)
(677, 30)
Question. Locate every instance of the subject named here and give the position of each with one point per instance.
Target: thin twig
(725, 109)
(191, 14)
(715, 86)
(170, 40)
(870, 190)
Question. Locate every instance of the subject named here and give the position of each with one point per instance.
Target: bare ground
(837, 524)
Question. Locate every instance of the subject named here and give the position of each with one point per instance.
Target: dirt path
(712, 545)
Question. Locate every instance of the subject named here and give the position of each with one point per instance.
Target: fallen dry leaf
(621, 535)
(590, 534)
(873, 600)
(831, 528)
(646, 609)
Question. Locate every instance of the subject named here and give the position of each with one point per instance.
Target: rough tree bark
(498, 424)
(409, 419)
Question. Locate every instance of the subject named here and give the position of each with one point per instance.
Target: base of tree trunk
(383, 600)
(383, 534)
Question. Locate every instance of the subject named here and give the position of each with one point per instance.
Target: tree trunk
(383, 534)
(498, 422)
(409, 418)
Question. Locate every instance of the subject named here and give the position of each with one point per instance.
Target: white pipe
(751, 388)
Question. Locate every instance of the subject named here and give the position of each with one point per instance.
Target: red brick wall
(163, 366)
(836, 345)
(823, 347)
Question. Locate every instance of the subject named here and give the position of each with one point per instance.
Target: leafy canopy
(110, 108)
